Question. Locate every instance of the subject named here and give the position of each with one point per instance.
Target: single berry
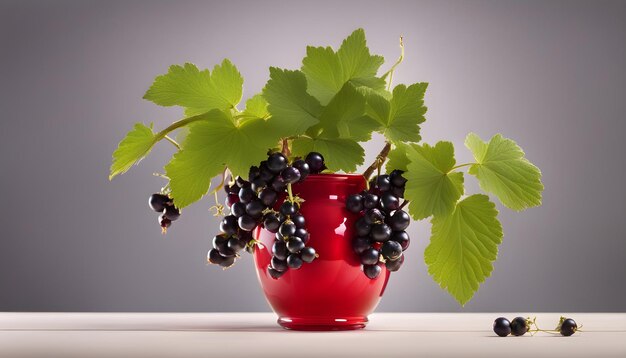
(235, 244)
(294, 261)
(374, 216)
(361, 244)
(219, 241)
(502, 327)
(519, 326)
(298, 220)
(247, 223)
(255, 208)
(568, 327)
(258, 184)
(391, 250)
(228, 262)
(171, 212)
(308, 254)
(380, 232)
(354, 203)
(276, 162)
(229, 225)
(278, 264)
(290, 175)
(232, 198)
(231, 189)
(279, 250)
(164, 222)
(287, 229)
(383, 183)
(271, 223)
(302, 234)
(389, 202)
(278, 184)
(394, 265)
(273, 273)
(402, 238)
(370, 201)
(288, 208)
(294, 245)
(246, 195)
(316, 162)
(157, 202)
(370, 257)
(399, 221)
(397, 191)
(241, 183)
(397, 179)
(302, 167)
(238, 209)
(214, 257)
(268, 197)
(362, 227)
(372, 271)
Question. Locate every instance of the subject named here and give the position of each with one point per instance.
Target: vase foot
(322, 323)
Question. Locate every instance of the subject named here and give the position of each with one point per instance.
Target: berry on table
(502, 327)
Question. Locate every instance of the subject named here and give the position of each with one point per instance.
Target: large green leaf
(256, 107)
(339, 153)
(344, 116)
(211, 145)
(327, 71)
(398, 158)
(463, 246)
(197, 91)
(401, 115)
(502, 169)
(293, 109)
(431, 186)
(134, 147)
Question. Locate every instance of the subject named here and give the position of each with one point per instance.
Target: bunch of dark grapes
(163, 204)
(380, 230)
(252, 203)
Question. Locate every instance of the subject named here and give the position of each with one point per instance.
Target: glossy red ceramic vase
(331, 293)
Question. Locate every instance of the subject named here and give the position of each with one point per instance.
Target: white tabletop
(255, 335)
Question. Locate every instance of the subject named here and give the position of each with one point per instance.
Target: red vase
(332, 292)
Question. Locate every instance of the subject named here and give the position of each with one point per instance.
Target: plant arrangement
(311, 121)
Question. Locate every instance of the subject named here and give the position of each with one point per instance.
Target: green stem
(462, 165)
(169, 139)
(290, 193)
(178, 124)
(392, 69)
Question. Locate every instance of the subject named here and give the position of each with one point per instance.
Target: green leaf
(134, 147)
(344, 116)
(256, 107)
(400, 117)
(463, 246)
(503, 170)
(327, 71)
(431, 186)
(293, 109)
(397, 158)
(197, 91)
(339, 153)
(211, 145)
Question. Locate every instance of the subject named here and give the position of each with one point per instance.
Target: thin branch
(380, 159)
(169, 139)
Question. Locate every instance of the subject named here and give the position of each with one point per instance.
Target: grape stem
(285, 149)
(290, 192)
(380, 159)
(404, 203)
(462, 165)
(392, 69)
(169, 139)
(178, 124)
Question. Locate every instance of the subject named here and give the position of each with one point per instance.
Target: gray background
(548, 74)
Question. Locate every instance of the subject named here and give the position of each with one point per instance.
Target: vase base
(322, 323)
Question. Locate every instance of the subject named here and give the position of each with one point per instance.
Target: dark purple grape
(394, 265)
(219, 241)
(273, 273)
(278, 184)
(568, 327)
(271, 223)
(397, 179)
(399, 221)
(266, 174)
(372, 271)
(255, 208)
(316, 162)
(370, 256)
(278, 264)
(238, 209)
(308, 254)
(302, 234)
(254, 173)
(246, 195)
(298, 220)
(397, 191)
(362, 227)
(231, 199)
(231, 189)
(402, 238)
(519, 326)
(241, 183)
(236, 244)
(290, 175)
(361, 244)
(374, 216)
(247, 223)
(389, 202)
(229, 225)
(258, 184)
(276, 162)
(354, 203)
(228, 262)
(287, 229)
(288, 208)
(294, 245)
(383, 183)
(302, 167)
(164, 222)
(294, 261)
(391, 250)
(268, 197)
(214, 257)
(370, 201)
(380, 232)
(279, 250)
(502, 327)
(171, 212)
(157, 202)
